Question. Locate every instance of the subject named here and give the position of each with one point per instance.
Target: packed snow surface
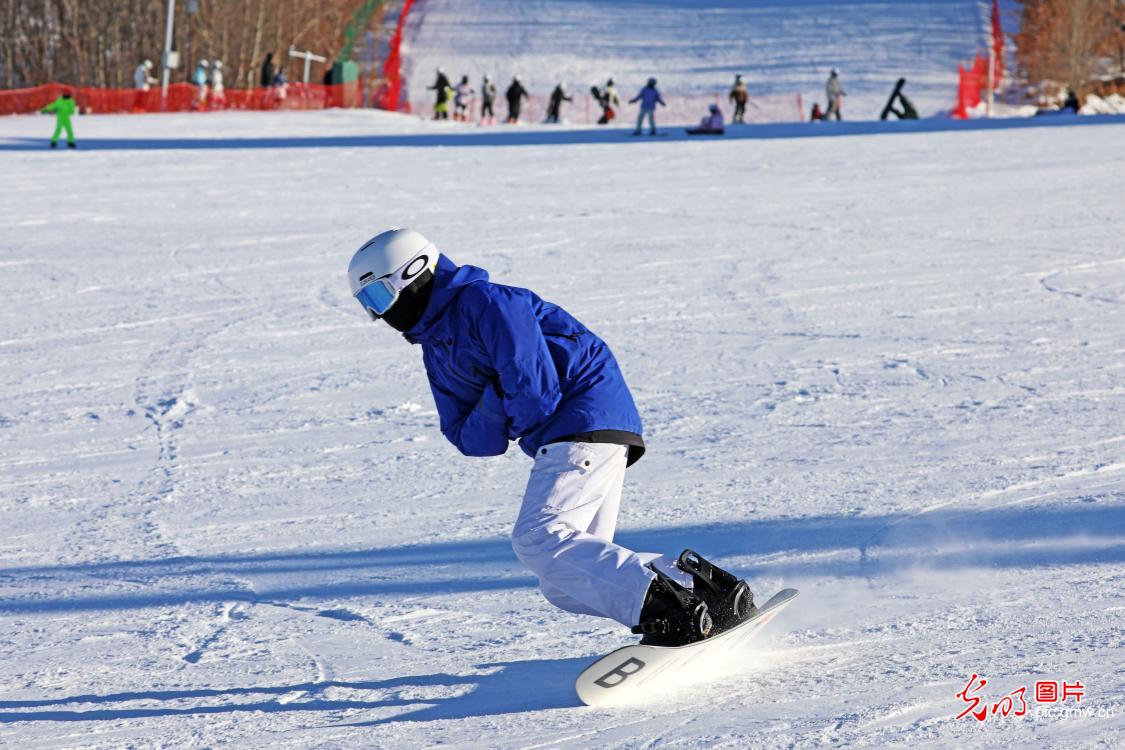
(781, 47)
(884, 369)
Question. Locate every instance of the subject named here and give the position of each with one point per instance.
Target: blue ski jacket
(649, 97)
(504, 364)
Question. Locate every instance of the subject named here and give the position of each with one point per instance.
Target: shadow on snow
(1089, 529)
(504, 688)
(515, 136)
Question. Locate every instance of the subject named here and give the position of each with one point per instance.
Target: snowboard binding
(672, 615)
(728, 598)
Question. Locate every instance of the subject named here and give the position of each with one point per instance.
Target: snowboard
(633, 672)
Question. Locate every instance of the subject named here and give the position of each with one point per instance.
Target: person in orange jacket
(64, 108)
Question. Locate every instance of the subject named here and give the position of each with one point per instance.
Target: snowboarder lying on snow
(712, 124)
(504, 364)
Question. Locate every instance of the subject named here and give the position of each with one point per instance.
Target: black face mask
(411, 304)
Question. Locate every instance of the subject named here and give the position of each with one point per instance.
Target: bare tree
(1069, 41)
(100, 42)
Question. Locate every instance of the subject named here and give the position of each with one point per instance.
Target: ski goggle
(377, 295)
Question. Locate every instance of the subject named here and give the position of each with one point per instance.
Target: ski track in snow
(884, 370)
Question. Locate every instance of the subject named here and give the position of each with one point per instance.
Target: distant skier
(63, 109)
(201, 79)
(461, 96)
(835, 90)
(218, 91)
(558, 96)
(649, 97)
(1071, 105)
(487, 97)
(142, 76)
(609, 101)
(515, 94)
(711, 124)
(739, 96)
(269, 72)
(504, 364)
(142, 84)
(443, 91)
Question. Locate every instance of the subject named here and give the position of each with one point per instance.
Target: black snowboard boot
(728, 599)
(672, 615)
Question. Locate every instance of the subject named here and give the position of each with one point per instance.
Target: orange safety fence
(183, 97)
(389, 94)
(973, 82)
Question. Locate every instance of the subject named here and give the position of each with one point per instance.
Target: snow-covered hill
(886, 370)
(782, 47)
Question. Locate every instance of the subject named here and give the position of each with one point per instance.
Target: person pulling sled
(542, 378)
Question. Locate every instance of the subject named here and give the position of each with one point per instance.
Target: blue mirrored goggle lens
(377, 296)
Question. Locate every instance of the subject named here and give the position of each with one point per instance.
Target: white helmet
(203, 62)
(387, 264)
(148, 64)
(217, 64)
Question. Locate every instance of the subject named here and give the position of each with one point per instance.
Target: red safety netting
(389, 94)
(680, 110)
(183, 97)
(973, 82)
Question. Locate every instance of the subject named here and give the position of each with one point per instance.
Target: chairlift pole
(991, 81)
(167, 54)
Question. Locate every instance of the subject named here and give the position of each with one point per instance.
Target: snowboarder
(835, 90)
(504, 364)
(64, 108)
(907, 111)
(711, 124)
(739, 96)
(442, 90)
(558, 96)
(487, 96)
(461, 99)
(609, 101)
(515, 94)
(649, 97)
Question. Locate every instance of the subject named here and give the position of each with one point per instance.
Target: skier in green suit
(63, 107)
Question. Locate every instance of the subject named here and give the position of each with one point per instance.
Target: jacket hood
(449, 280)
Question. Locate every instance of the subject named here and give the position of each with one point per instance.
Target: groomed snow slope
(229, 519)
(782, 47)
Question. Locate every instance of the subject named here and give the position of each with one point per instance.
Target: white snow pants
(564, 533)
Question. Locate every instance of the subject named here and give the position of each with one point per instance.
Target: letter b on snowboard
(620, 673)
